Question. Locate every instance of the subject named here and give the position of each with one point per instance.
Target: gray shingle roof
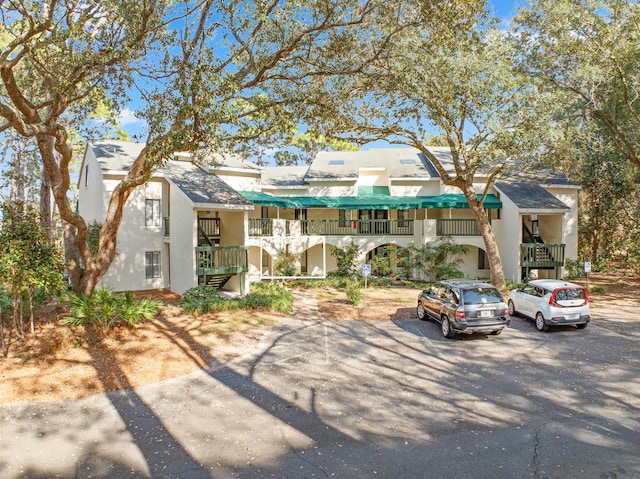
(530, 196)
(399, 163)
(284, 176)
(202, 187)
(115, 155)
(198, 185)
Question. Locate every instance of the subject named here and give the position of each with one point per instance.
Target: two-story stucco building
(226, 224)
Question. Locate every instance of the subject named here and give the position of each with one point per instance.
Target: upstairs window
(152, 215)
(344, 218)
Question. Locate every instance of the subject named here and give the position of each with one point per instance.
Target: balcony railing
(541, 255)
(264, 227)
(219, 260)
(260, 226)
(457, 227)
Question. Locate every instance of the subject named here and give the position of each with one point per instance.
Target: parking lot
(359, 399)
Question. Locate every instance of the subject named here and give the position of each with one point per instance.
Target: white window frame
(152, 264)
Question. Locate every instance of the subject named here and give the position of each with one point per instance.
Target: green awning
(457, 200)
(369, 198)
(265, 199)
(369, 202)
(373, 190)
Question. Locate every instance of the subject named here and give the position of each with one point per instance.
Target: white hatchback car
(551, 302)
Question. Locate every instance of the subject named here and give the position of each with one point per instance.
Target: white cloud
(128, 117)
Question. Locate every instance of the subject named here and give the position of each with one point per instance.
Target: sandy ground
(61, 362)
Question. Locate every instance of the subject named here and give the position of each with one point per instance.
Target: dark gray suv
(464, 306)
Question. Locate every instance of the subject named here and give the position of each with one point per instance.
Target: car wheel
(445, 326)
(512, 308)
(540, 326)
(581, 326)
(422, 314)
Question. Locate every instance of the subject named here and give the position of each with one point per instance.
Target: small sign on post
(366, 272)
(587, 270)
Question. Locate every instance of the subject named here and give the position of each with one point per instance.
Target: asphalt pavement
(357, 399)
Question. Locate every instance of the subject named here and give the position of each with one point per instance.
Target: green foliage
(285, 264)
(5, 300)
(586, 54)
(307, 145)
(263, 297)
(438, 260)
(345, 260)
(381, 266)
(268, 297)
(354, 293)
(596, 288)
(28, 263)
(201, 299)
(107, 309)
(93, 236)
(573, 269)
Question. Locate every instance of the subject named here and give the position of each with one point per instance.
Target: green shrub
(268, 297)
(263, 297)
(345, 259)
(354, 293)
(201, 299)
(107, 309)
(285, 264)
(573, 269)
(594, 288)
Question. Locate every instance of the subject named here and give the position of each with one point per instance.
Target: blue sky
(503, 9)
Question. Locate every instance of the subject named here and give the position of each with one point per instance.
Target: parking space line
(326, 344)
(430, 344)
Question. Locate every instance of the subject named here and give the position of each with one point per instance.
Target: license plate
(572, 316)
(485, 314)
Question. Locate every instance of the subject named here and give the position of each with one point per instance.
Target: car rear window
(567, 294)
(476, 295)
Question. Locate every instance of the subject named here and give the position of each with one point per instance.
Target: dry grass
(61, 362)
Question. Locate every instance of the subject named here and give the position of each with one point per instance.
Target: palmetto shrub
(106, 309)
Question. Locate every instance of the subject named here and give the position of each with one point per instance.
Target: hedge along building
(228, 224)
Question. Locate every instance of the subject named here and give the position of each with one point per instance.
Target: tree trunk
(2, 343)
(86, 270)
(490, 243)
(32, 328)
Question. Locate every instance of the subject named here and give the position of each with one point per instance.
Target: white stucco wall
(183, 239)
(127, 271)
(239, 181)
(569, 196)
(92, 190)
(508, 232)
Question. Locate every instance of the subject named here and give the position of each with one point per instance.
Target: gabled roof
(116, 155)
(346, 165)
(198, 185)
(284, 176)
(530, 196)
(201, 187)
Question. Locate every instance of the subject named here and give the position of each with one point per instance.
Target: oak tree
(207, 73)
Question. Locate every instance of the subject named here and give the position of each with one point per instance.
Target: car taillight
(552, 300)
(460, 313)
(586, 297)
